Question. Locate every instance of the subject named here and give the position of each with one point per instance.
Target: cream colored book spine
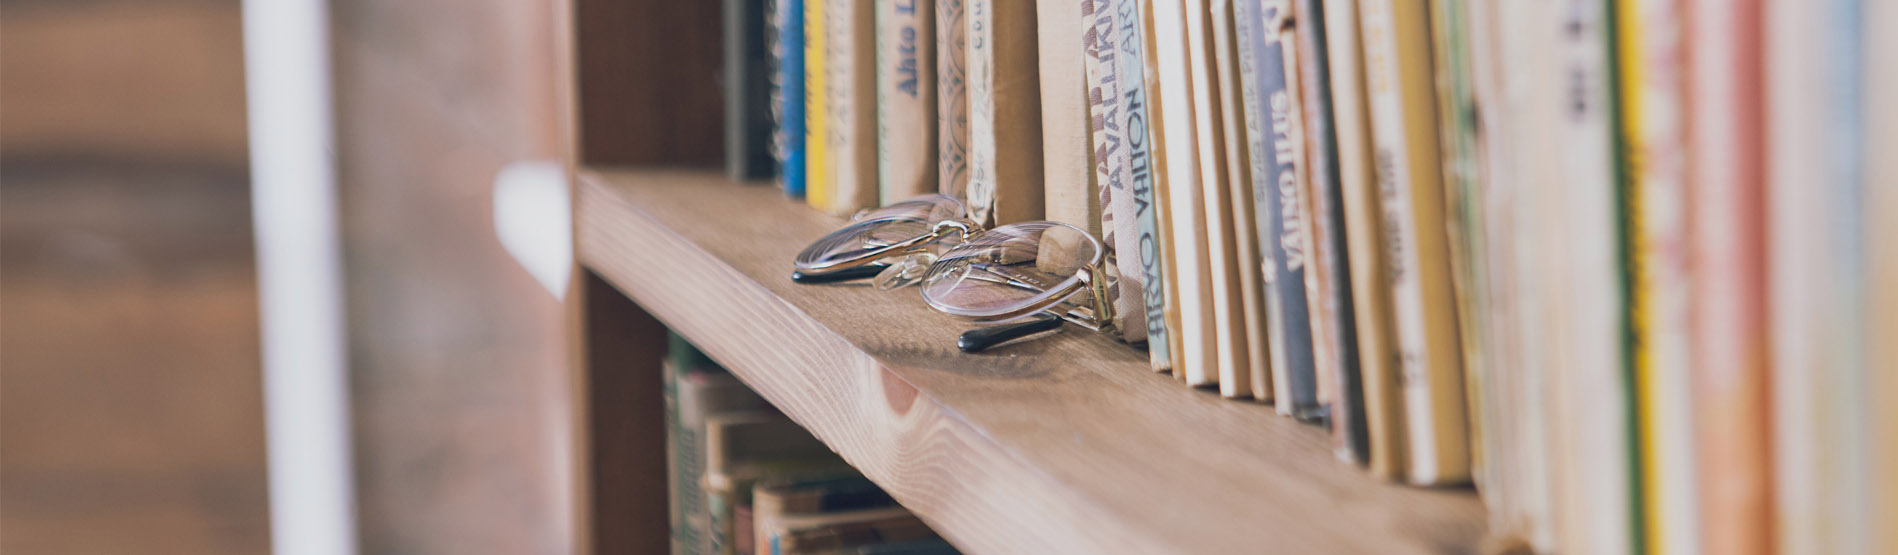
(1404, 135)
(1114, 172)
(851, 105)
(1162, 194)
(1881, 232)
(1191, 255)
(1069, 179)
(1817, 314)
(1251, 283)
(906, 99)
(1004, 113)
(1228, 327)
(1364, 231)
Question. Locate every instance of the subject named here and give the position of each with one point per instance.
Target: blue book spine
(790, 102)
(1277, 200)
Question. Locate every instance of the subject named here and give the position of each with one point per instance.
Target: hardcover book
(952, 99)
(906, 99)
(1328, 280)
(1233, 72)
(1278, 190)
(816, 118)
(851, 106)
(740, 448)
(1005, 152)
(1727, 146)
(1404, 137)
(1228, 329)
(789, 50)
(1114, 172)
(747, 73)
(815, 533)
(1068, 178)
(1652, 91)
(1161, 209)
(1364, 236)
(1591, 376)
(692, 394)
(1188, 225)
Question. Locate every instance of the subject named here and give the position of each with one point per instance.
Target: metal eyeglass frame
(1044, 312)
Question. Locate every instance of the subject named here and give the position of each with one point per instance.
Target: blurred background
(131, 366)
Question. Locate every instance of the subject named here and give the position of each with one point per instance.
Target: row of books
(743, 479)
(1627, 265)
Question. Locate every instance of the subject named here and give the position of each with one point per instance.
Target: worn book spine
(1004, 113)
(1228, 329)
(952, 98)
(1726, 178)
(1070, 182)
(1816, 255)
(1248, 43)
(1278, 190)
(1652, 116)
(851, 106)
(1601, 513)
(1880, 64)
(1333, 302)
(1403, 131)
(1532, 87)
(1160, 210)
(790, 53)
(906, 99)
(1496, 413)
(1113, 169)
(1301, 88)
(747, 72)
(1238, 159)
(1364, 234)
(1188, 223)
(816, 117)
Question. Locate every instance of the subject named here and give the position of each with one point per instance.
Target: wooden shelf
(1066, 444)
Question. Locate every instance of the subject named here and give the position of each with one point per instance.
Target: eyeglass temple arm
(980, 339)
(847, 274)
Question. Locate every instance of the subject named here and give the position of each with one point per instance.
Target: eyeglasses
(1026, 278)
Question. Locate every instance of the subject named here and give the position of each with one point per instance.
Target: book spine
(1816, 290)
(1125, 35)
(1364, 235)
(851, 106)
(1228, 328)
(1005, 152)
(1161, 209)
(1880, 66)
(747, 59)
(1187, 222)
(1074, 192)
(816, 117)
(1595, 390)
(1238, 159)
(906, 99)
(952, 99)
(1651, 85)
(1249, 43)
(1334, 300)
(1279, 191)
(1726, 139)
(1300, 87)
(791, 102)
(1114, 172)
(1403, 131)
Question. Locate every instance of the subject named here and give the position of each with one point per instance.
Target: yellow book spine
(816, 133)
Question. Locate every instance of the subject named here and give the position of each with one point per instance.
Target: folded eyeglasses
(1018, 279)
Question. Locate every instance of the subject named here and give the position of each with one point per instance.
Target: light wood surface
(1065, 444)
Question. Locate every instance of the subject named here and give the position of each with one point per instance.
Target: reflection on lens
(1011, 268)
(896, 223)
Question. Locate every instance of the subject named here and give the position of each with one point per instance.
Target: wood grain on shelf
(1065, 444)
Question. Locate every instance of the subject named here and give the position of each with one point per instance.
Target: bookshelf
(1068, 444)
